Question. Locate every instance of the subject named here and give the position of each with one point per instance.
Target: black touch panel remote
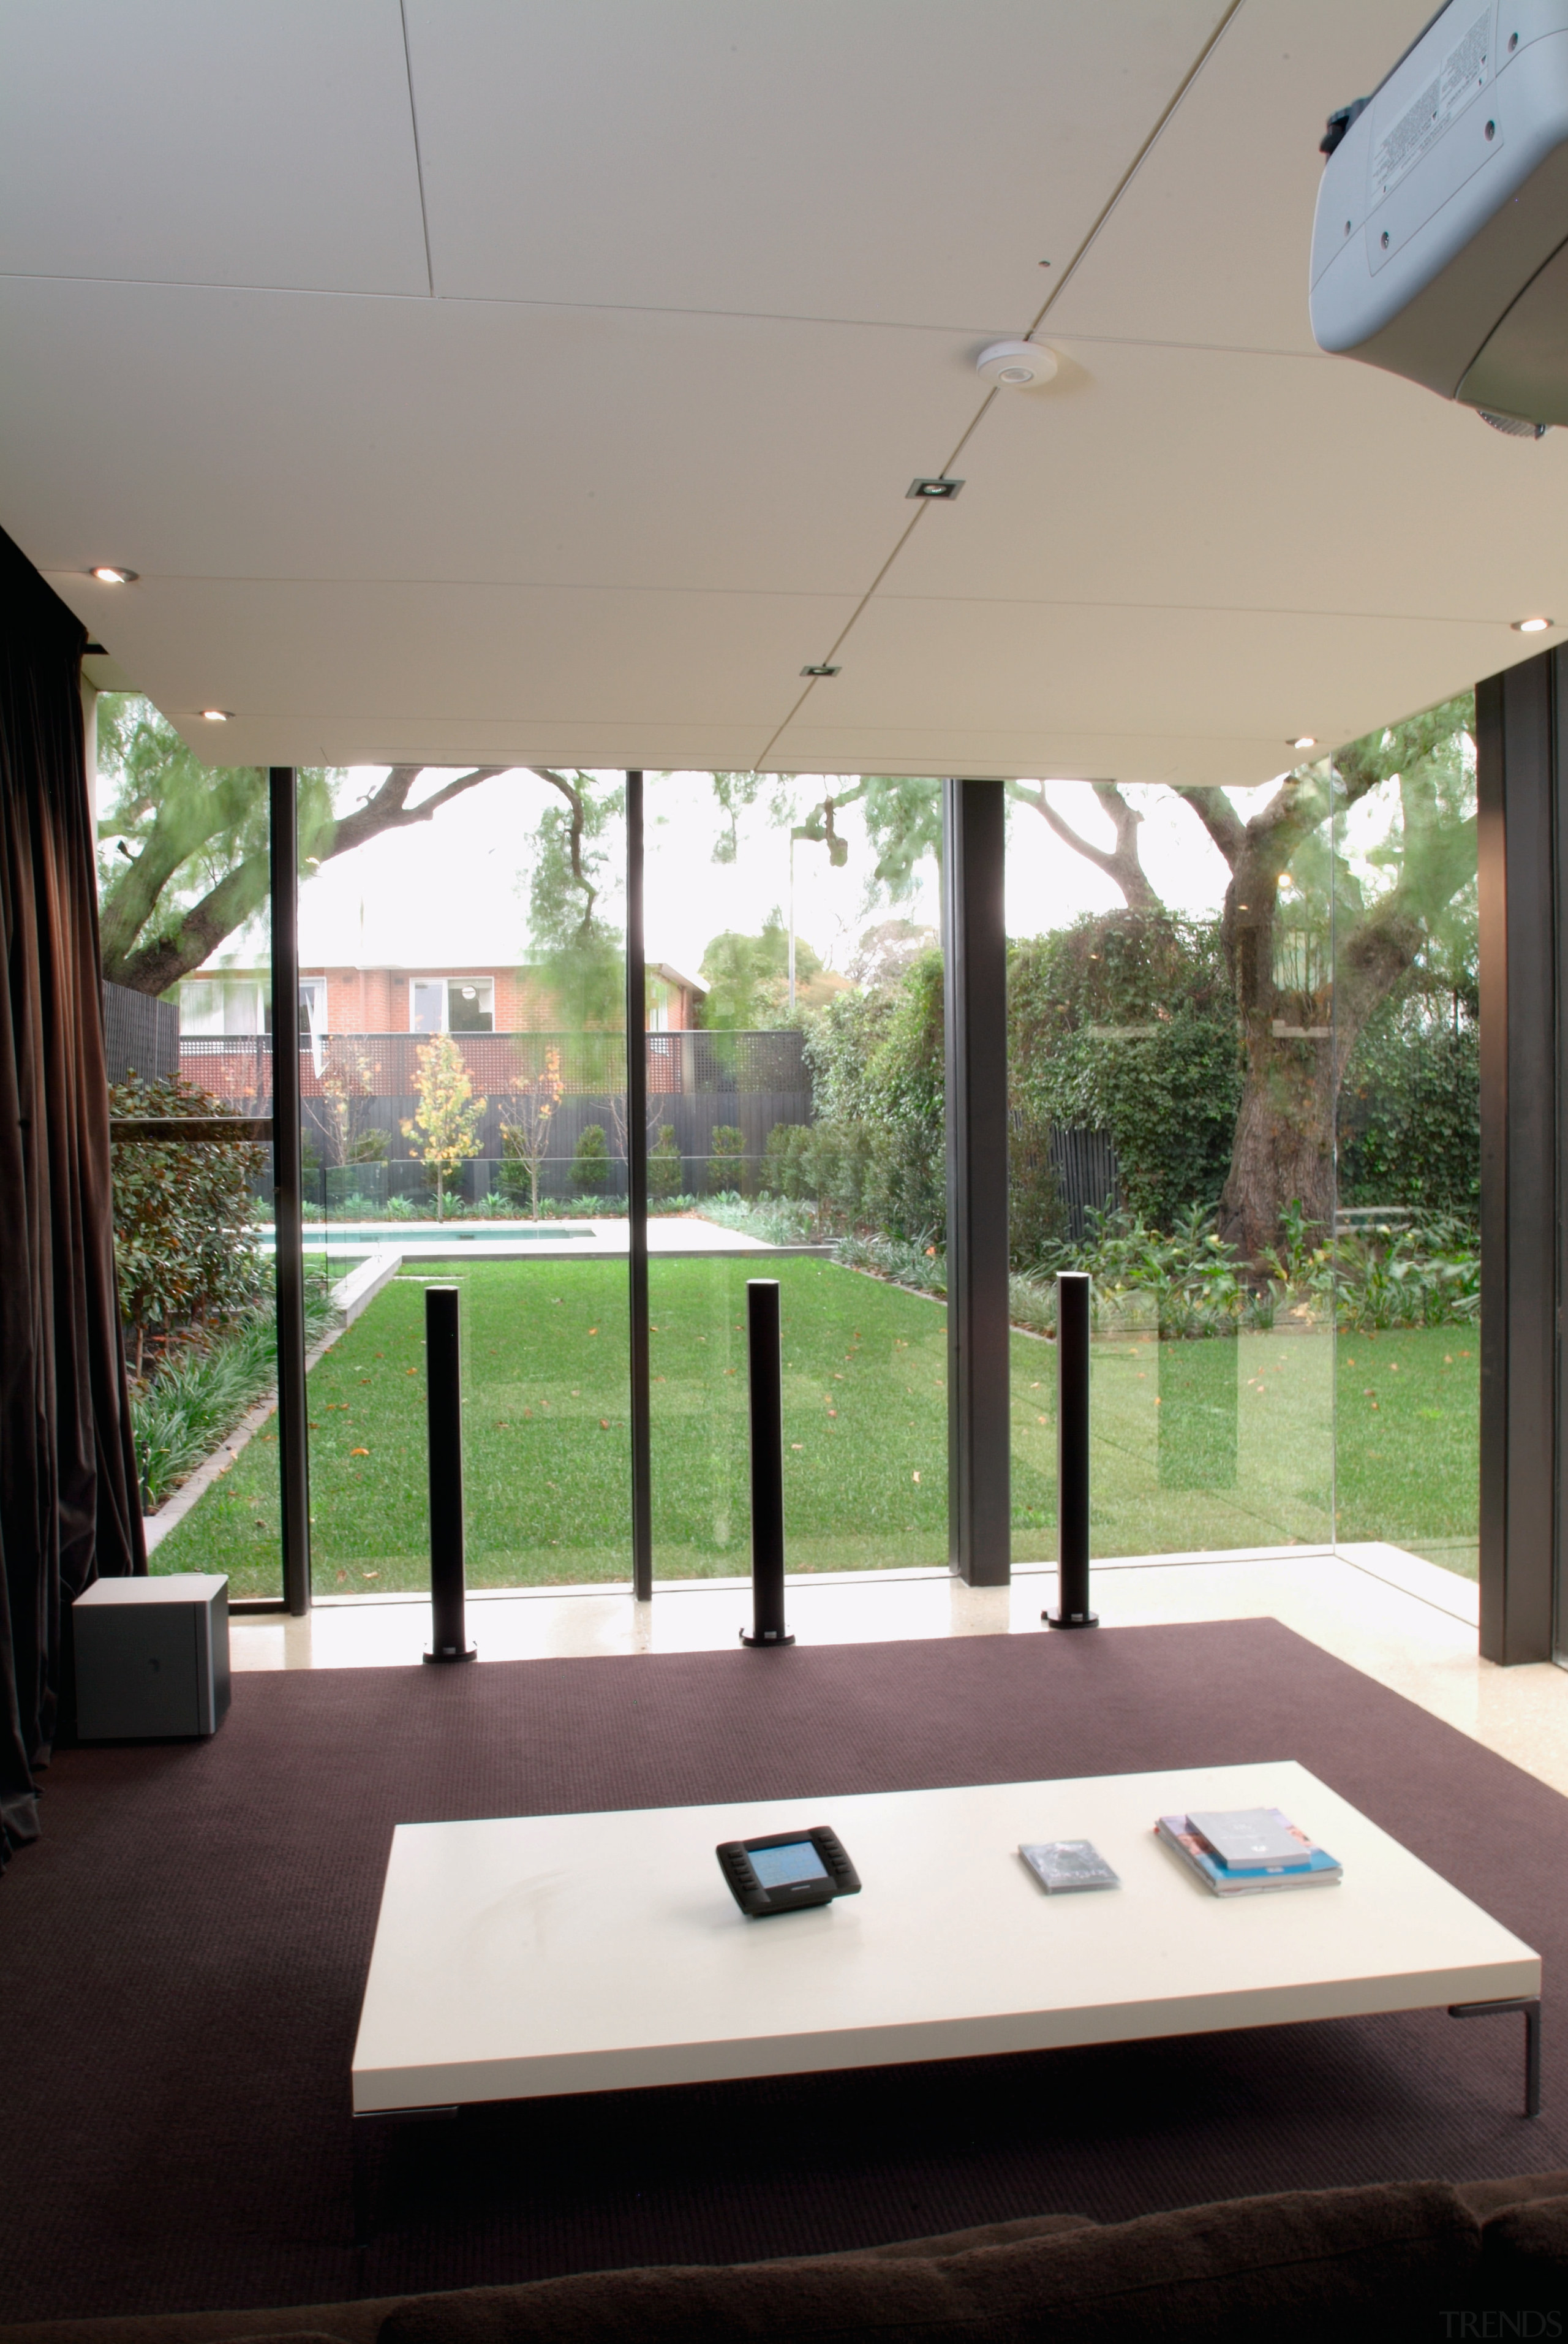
(785, 1870)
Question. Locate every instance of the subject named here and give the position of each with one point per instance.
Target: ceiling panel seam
(418, 157)
(1188, 78)
(655, 309)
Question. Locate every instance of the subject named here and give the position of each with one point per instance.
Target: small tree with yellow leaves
(447, 1127)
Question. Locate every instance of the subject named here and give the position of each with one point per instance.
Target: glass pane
(447, 1143)
(794, 1074)
(186, 1001)
(1406, 1256)
(469, 1005)
(1170, 1050)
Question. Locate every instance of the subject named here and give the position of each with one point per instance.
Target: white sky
(453, 893)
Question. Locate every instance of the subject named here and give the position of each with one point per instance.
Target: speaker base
(765, 1643)
(1070, 1619)
(463, 1652)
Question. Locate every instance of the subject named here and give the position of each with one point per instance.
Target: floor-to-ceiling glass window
(462, 1070)
(1243, 1049)
(795, 1130)
(185, 920)
(1172, 1126)
(463, 1083)
(1406, 1263)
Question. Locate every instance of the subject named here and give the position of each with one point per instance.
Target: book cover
(1064, 1865)
(1320, 1869)
(1248, 1839)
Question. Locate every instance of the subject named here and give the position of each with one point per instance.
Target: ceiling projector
(1440, 251)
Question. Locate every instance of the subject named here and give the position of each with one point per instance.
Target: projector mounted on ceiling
(1440, 251)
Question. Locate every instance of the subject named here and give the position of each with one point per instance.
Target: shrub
(590, 1161)
(664, 1164)
(201, 1395)
(185, 1250)
(726, 1169)
(772, 1220)
(1036, 1216)
(1409, 1113)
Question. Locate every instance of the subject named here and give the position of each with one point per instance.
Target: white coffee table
(536, 1955)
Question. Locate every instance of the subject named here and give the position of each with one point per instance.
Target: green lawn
(1218, 1444)
(1410, 1440)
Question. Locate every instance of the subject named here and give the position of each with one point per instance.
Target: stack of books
(1247, 1849)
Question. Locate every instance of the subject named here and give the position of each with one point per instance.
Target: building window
(452, 1004)
(312, 1008)
(216, 1004)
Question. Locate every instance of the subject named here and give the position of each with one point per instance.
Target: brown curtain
(68, 1507)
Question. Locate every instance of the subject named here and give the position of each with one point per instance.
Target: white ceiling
(545, 385)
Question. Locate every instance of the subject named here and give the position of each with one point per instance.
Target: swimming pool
(359, 1234)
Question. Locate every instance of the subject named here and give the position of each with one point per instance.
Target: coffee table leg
(1531, 2012)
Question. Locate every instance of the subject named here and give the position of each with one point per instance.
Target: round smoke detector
(1016, 366)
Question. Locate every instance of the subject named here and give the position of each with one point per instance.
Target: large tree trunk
(1283, 1150)
(1298, 1041)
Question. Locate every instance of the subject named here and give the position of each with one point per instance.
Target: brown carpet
(182, 1956)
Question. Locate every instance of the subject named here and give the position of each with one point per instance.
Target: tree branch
(573, 797)
(154, 967)
(1120, 862)
(388, 808)
(1219, 818)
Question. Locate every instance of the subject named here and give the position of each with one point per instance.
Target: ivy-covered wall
(1125, 1022)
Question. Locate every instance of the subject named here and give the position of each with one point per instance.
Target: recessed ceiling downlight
(1304, 741)
(108, 573)
(1016, 366)
(1531, 626)
(217, 715)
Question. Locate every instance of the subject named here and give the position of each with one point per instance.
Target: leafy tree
(446, 1125)
(886, 954)
(527, 1112)
(580, 956)
(347, 1089)
(747, 979)
(877, 1063)
(189, 865)
(1293, 885)
(1301, 1019)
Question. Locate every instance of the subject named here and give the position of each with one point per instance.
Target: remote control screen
(782, 1867)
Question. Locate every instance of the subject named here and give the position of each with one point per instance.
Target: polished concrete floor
(1403, 1620)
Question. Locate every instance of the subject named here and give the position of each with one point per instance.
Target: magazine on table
(1318, 1868)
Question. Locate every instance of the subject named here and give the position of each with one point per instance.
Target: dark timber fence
(697, 1083)
(141, 1034)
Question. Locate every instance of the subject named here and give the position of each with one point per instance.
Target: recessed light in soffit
(109, 573)
(822, 669)
(936, 488)
(1531, 626)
